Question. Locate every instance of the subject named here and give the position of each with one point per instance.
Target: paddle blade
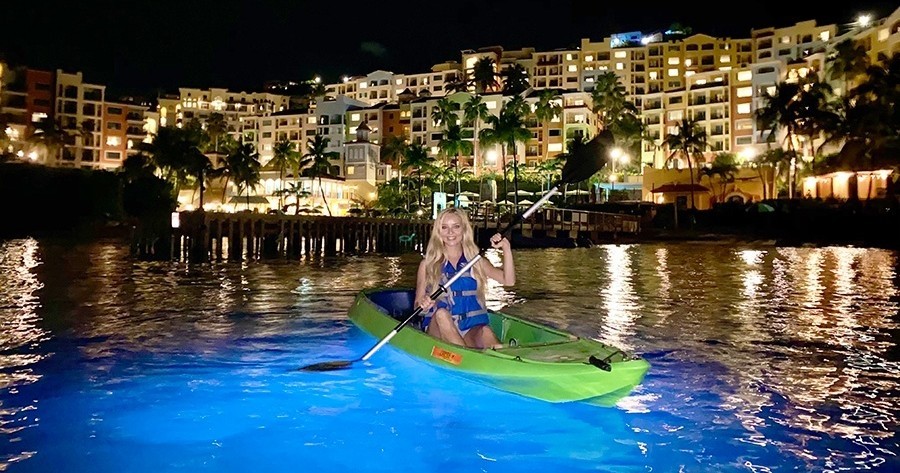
(587, 159)
(326, 366)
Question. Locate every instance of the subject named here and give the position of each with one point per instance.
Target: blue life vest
(461, 299)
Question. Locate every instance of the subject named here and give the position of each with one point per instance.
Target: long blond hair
(436, 255)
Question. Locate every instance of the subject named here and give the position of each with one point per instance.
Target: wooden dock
(204, 236)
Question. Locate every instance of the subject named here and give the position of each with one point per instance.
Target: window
(673, 72)
(554, 147)
(113, 155)
(744, 92)
(113, 126)
(744, 75)
(743, 108)
(744, 140)
(267, 134)
(114, 110)
(676, 115)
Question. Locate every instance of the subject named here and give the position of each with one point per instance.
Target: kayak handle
(602, 364)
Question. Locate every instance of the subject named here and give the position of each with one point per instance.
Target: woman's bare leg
(482, 336)
(442, 326)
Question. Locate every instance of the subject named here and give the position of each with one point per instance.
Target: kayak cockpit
(521, 339)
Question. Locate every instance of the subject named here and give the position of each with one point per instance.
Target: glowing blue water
(762, 360)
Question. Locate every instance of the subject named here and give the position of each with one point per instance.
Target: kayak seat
(396, 303)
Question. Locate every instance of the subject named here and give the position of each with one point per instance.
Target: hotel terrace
(720, 82)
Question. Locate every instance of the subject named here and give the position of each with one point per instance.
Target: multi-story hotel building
(95, 133)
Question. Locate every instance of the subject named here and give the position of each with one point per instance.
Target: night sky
(137, 47)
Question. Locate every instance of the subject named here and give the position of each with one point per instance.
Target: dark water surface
(763, 359)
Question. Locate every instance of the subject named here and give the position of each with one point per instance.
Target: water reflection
(791, 350)
(19, 302)
(619, 298)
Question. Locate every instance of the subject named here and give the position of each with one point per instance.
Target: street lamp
(616, 154)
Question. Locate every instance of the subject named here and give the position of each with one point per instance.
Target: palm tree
(475, 111)
(453, 144)
(216, 128)
(724, 166)
(507, 129)
(847, 62)
(515, 79)
(417, 160)
(545, 110)
(484, 76)
(48, 136)
(244, 162)
(690, 141)
(609, 100)
(800, 108)
(444, 113)
(317, 162)
(284, 156)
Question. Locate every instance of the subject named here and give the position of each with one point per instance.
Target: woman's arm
(505, 275)
(422, 297)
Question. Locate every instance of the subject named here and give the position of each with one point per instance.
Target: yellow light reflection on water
(619, 298)
(19, 322)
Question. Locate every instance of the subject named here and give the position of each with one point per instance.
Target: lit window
(350, 170)
(435, 150)
(569, 57)
(744, 92)
(113, 141)
(573, 68)
(785, 40)
(620, 55)
(675, 115)
(725, 58)
(588, 58)
(38, 116)
(620, 66)
(554, 147)
(673, 72)
(824, 36)
(654, 75)
(743, 108)
(744, 75)
(363, 85)
(399, 81)
(311, 120)
(354, 117)
(674, 61)
(491, 105)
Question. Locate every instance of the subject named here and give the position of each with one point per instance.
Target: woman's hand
(498, 241)
(426, 303)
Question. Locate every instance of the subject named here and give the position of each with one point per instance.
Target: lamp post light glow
(864, 20)
(616, 154)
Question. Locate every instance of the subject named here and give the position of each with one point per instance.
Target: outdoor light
(176, 220)
(864, 20)
(747, 154)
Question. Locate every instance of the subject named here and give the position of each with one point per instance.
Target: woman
(459, 315)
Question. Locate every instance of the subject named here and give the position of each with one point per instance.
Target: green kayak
(536, 361)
